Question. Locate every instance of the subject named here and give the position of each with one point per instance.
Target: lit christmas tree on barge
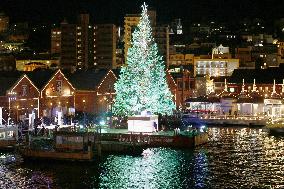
(142, 85)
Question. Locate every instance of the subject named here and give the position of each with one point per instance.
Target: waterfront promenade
(208, 119)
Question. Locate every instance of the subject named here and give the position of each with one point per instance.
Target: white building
(215, 67)
(220, 50)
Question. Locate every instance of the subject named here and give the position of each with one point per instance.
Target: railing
(137, 138)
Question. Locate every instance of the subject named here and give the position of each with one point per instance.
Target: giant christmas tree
(142, 83)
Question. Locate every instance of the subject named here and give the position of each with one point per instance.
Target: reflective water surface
(234, 158)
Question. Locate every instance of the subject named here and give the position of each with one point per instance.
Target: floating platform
(85, 146)
(152, 140)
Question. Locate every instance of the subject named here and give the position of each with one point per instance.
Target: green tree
(142, 83)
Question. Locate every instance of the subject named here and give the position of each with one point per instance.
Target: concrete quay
(87, 146)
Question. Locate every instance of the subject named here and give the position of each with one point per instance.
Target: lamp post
(17, 113)
(84, 112)
(11, 97)
(182, 90)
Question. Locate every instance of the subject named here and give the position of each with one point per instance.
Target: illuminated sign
(59, 86)
(24, 90)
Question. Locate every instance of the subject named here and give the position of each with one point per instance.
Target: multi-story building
(55, 41)
(68, 56)
(244, 54)
(215, 67)
(160, 33)
(4, 22)
(105, 46)
(161, 36)
(280, 46)
(181, 59)
(221, 52)
(130, 22)
(76, 44)
(83, 40)
(268, 53)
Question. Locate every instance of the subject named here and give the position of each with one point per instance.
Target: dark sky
(112, 11)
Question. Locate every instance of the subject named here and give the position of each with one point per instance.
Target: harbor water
(233, 158)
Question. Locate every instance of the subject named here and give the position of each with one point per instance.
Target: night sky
(113, 11)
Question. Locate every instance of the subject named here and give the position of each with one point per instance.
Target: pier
(85, 146)
(225, 120)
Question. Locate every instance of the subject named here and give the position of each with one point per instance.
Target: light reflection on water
(157, 168)
(234, 158)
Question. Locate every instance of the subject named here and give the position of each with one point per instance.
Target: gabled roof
(19, 80)
(52, 77)
(87, 80)
(169, 75)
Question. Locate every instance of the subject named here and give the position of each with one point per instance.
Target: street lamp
(84, 112)
(17, 113)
